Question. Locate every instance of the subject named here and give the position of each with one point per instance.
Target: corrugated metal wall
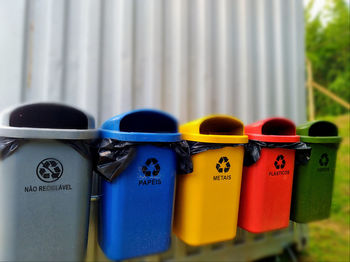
(188, 57)
(191, 58)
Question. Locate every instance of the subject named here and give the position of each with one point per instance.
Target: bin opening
(47, 115)
(148, 122)
(280, 127)
(323, 128)
(221, 126)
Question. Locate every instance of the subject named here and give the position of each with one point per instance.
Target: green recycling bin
(313, 181)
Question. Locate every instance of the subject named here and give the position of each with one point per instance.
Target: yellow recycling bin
(207, 200)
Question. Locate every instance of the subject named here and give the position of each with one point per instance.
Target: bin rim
(139, 136)
(111, 128)
(48, 133)
(217, 139)
(255, 130)
(274, 138)
(321, 139)
(329, 136)
(191, 131)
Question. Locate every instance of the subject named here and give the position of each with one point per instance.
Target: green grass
(330, 239)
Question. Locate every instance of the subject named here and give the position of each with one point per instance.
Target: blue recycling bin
(137, 206)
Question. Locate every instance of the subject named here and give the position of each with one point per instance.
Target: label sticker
(280, 162)
(48, 170)
(323, 161)
(279, 165)
(222, 166)
(33, 188)
(150, 171)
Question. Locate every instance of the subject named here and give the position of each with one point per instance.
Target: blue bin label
(150, 173)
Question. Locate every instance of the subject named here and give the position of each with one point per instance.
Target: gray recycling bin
(45, 182)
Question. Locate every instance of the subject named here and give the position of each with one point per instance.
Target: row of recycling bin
(257, 177)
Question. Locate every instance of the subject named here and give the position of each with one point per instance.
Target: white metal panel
(190, 58)
(12, 39)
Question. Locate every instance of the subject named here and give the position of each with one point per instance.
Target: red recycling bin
(267, 184)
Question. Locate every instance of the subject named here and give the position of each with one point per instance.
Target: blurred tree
(328, 49)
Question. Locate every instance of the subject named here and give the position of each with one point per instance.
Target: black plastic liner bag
(199, 147)
(112, 156)
(9, 145)
(253, 149)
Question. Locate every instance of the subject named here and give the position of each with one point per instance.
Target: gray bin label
(48, 170)
(32, 188)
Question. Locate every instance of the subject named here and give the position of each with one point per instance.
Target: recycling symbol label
(151, 167)
(324, 160)
(49, 170)
(280, 162)
(223, 165)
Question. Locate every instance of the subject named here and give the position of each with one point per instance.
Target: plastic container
(44, 183)
(267, 185)
(207, 200)
(137, 207)
(313, 182)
